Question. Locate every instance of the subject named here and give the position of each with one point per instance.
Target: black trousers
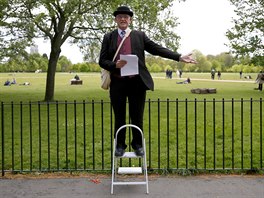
(260, 86)
(133, 89)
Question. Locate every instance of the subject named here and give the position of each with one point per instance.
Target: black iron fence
(180, 134)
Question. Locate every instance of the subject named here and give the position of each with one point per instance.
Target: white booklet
(131, 68)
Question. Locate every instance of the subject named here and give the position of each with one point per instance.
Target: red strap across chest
(125, 48)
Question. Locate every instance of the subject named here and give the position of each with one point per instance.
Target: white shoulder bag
(105, 74)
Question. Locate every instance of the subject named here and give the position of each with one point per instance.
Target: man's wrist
(180, 59)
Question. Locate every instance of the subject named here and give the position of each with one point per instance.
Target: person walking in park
(219, 75)
(213, 74)
(131, 87)
(180, 73)
(260, 80)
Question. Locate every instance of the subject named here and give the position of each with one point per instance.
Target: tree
(247, 35)
(226, 60)
(16, 45)
(75, 21)
(52, 19)
(63, 64)
(203, 64)
(216, 65)
(151, 16)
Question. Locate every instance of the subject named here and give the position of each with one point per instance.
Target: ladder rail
(145, 167)
(113, 170)
(115, 163)
(125, 126)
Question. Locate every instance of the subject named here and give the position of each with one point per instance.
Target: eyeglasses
(120, 16)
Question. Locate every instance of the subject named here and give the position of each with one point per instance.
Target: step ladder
(116, 169)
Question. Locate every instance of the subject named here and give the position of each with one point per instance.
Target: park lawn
(90, 90)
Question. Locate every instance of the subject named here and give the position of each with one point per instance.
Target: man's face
(123, 21)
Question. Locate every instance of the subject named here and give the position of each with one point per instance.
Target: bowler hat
(123, 10)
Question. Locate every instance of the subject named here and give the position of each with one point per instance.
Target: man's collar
(119, 30)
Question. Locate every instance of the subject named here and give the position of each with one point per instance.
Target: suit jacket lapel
(132, 41)
(114, 40)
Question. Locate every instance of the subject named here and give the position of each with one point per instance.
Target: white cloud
(203, 25)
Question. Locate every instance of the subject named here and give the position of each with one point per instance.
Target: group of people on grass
(9, 83)
(14, 82)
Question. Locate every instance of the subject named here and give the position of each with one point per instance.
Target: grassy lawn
(65, 134)
(90, 90)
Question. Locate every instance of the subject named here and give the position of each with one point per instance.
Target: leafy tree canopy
(247, 35)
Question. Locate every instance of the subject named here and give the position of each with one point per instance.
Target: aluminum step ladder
(117, 169)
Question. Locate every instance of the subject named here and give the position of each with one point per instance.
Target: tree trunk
(50, 83)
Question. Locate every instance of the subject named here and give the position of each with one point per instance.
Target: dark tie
(123, 33)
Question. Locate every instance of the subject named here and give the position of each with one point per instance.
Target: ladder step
(129, 170)
(129, 183)
(130, 155)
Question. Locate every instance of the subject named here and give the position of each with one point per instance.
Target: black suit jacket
(139, 44)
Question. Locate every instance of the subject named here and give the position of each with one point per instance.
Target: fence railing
(180, 134)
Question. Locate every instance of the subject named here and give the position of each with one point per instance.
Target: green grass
(27, 132)
(90, 90)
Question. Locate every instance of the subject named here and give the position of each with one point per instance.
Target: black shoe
(139, 151)
(119, 152)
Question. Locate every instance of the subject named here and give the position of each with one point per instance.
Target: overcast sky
(203, 24)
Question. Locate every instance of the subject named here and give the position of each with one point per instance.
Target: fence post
(261, 126)
(3, 146)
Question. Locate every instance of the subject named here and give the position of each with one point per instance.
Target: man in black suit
(131, 87)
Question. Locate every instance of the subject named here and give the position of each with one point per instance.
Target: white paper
(131, 68)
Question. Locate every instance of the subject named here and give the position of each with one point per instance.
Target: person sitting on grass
(7, 83)
(76, 77)
(25, 83)
(14, 81)
(187, 81)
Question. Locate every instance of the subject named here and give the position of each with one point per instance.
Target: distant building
(34, 49)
